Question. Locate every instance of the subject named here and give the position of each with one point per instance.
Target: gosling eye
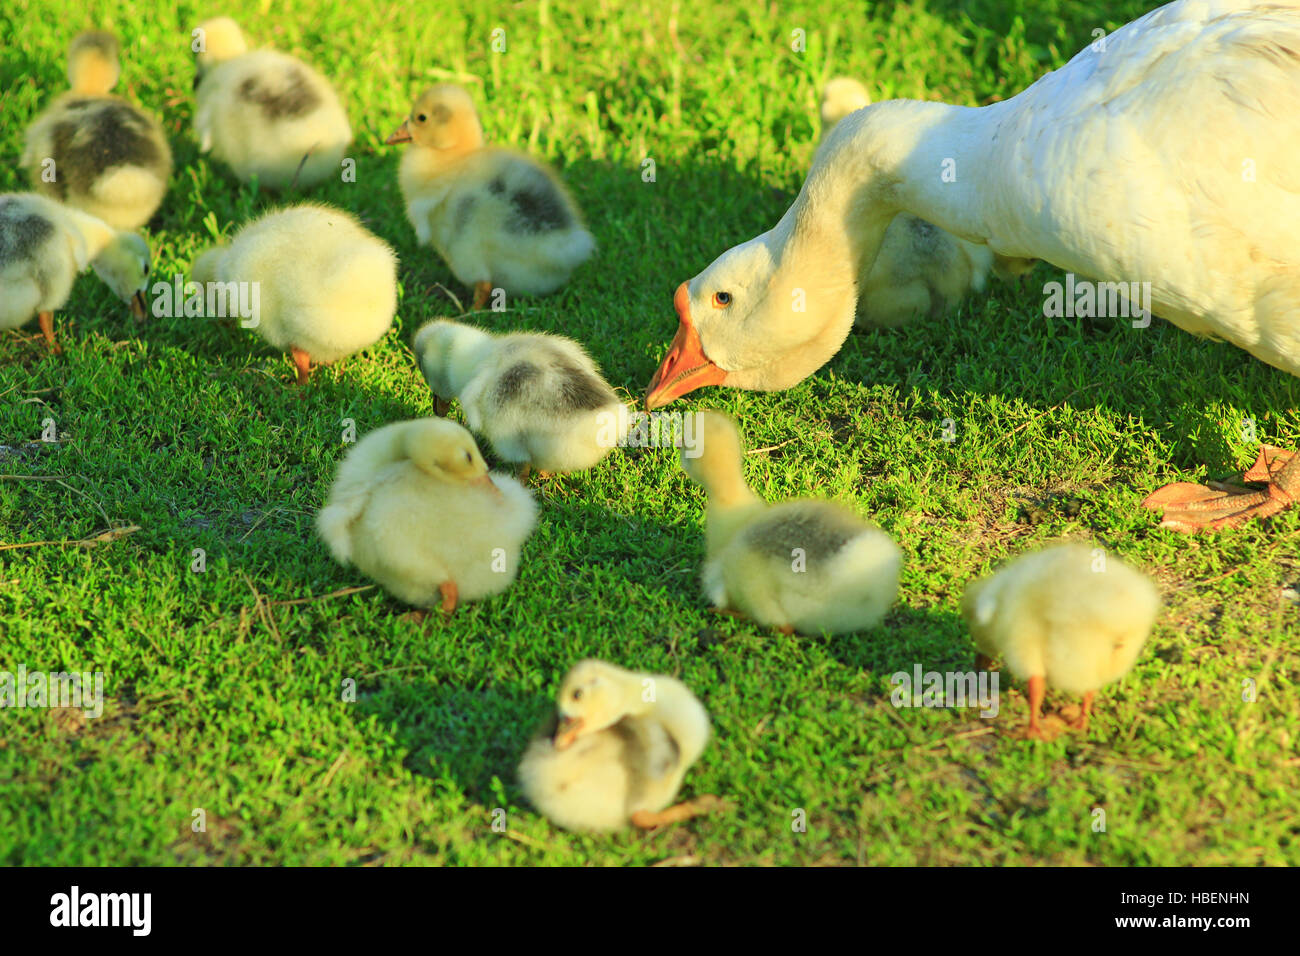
(421, 118)
(721, 300)
(146, 270)
(469, 459)
(577, 694)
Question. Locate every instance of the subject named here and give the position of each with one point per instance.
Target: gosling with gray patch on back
(811, 566)
(44, 245)
(95, 151)
(539, 399)
(265, 114)
(499, 218)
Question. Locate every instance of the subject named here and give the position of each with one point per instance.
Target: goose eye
(721, 300)
(421, 118)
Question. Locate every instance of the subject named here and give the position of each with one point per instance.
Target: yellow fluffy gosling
(1071, 616)
(414, 508)
(538, 399)
(45, 244)
(809, 565)
(617, 752)
(265, 113)
(95, 151)
(326, 286)
(499, 218)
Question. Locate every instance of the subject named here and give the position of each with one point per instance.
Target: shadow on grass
(465, 734)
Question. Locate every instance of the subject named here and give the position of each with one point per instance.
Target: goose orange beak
(403, 134)
(567, 732)
(686, 367)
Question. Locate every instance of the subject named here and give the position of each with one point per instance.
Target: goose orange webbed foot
(1191, 507)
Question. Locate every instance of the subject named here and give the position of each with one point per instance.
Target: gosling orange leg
(481, 292)
(303, 363)
(1036, 689)
(646, 820)
(1082, 722)
(46, 320)
(449, 595)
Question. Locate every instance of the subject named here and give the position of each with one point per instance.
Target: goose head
(594, 696)
(768, 313)
(442, 118)
(123, 266)
(764, 316)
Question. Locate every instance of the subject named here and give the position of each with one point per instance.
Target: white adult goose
(1125, 165)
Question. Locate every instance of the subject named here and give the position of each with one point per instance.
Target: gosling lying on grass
(414, 508)
(1071, 616)
(617, 752)
(538, 399)
(810, 566)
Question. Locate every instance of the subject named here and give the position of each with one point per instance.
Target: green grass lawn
(223, 688)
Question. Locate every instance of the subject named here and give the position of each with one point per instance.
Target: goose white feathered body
(1167, 156)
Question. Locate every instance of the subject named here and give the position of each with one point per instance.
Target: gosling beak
(403, 134)
(139, 309)
(686, 367)
(567, 732)
(441, 406)
(485, 482)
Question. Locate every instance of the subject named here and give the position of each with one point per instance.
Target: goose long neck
(927, 159)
